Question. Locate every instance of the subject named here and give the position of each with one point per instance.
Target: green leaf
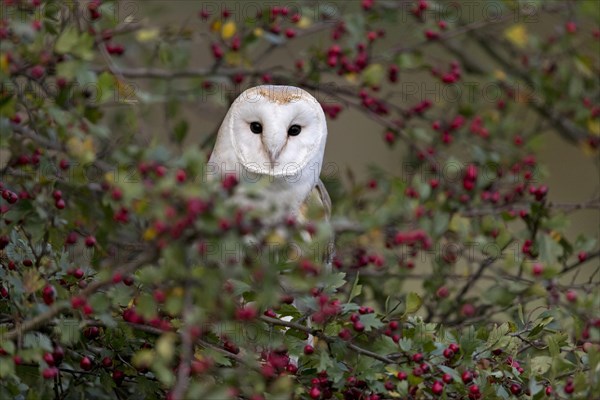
(180, 131)
(68, 330)
(371, 321)
(67, 40)
(373, 75)
(7, 368)
(540, 326)
(451, 371)
(413, 303)
(37, 340)
(146, 306)
(541, 364)
(356, 289)
(106, 87)
(549, 249)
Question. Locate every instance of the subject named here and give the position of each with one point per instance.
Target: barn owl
(275, 136)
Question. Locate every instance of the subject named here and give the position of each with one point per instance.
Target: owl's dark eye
(256, 127)
(294, 130)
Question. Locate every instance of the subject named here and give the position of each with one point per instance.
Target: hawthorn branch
(58, 308)
(475, 277)
(318, 333)
(187, 347)
(566, 207)
(576, 264)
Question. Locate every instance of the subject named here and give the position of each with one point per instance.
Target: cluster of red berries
(321, 387)
(450, 77)
(327, 308)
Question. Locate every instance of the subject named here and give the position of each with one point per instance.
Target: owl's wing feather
(317, 205)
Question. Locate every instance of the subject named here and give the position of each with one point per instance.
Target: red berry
(358, 326)
(417, 357)
(77, 302)
(466, 377)
(345, 334)
(48, 294)
(447, 378)
(90, 241)
(85, 364)
(270, 313)
(290, 33)
(569, 388)
(402, 375)
(515, 389)
(107, 362)
(571, 296)
(118, 376)
(437, 388)
(37, 71)
(308, 349)
(314, 392)
(442, 292)
(58, 353)
(87, 309)
(50, 373)
(549, 391)
(537, 269)
(571, 27)
(448, 353)
(474, 389)
(48, 358)
(78, 273)
(60, 204)
(582, 256)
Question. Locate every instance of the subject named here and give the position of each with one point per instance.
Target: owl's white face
(276, 130)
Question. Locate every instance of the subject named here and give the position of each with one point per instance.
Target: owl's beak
(272, 148)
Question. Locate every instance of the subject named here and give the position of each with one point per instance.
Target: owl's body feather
(274, 136)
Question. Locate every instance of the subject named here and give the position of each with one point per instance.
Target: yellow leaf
(139, 206)
(143, 358)
(499, 75)
(587, 149)
(351, 77)
(517, 34)
(594, 126)
(556, 236)
(32, 281)
(146, 35)
(109, 177)
(275, 238)
(149, 234)
(177, 291)
(127, 92)
(228, 30)
(459, 224)
(4, 63)
(165, 346)
(304, 22)
(233, 58)
(83, 150)
(216, 26)
(258, 32)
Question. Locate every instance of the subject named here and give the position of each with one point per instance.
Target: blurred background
(355, 141)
